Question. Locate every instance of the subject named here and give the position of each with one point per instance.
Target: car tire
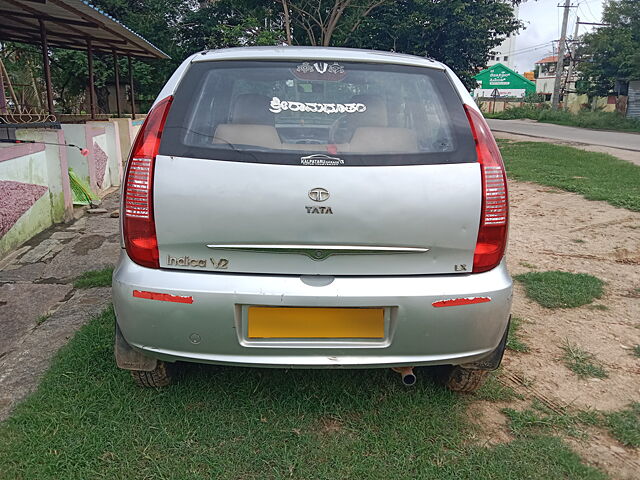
(463, 380)
(163, 375)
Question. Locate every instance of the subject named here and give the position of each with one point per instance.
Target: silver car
(301, 207)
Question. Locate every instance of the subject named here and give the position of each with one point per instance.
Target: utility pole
(555, 99)
(572, 61)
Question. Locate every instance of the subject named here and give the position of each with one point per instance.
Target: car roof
(286, 52)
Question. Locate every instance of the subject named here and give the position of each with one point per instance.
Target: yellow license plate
(302, 322)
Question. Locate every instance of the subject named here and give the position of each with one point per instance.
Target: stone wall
(34, 192)
(576, 104)
(34, 182)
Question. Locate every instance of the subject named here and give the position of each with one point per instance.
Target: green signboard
(503, 78)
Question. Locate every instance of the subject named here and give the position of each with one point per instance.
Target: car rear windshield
(317, 113)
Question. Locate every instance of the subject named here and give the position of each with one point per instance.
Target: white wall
(506, 49)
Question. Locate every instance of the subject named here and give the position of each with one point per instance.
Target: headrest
(376, 113)
(383, 140)
(253, 109)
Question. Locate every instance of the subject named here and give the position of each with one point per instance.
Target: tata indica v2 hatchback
(313, 208)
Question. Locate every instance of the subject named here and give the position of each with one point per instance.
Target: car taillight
(494, 219)
(138, 225)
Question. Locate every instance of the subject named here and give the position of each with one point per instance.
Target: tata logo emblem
(318, 194)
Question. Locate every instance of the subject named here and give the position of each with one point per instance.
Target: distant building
(530, 76)
(507, 82)
(503, 53)
(546, 76)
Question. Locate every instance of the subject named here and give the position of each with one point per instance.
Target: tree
(183, 27)
(460, 33)
(611, 53)
(319, 20)
(22, 64)
(158, 22)
(226, 23)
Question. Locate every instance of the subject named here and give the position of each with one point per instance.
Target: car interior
(253, 124)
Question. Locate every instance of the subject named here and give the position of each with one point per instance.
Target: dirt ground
(556, 230)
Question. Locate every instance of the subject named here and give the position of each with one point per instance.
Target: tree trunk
(287, 21)
(334, 18)
(8, 85)
(36, 91)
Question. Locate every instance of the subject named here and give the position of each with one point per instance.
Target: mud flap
(129, 359)
(493, 360)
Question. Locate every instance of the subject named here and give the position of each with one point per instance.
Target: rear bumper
(212, 328)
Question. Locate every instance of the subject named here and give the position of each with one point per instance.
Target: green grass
(595, 120)
(555, 289)
(495, 391)
(87, 420)
(528, 265)
(625, 425)
(598, 307)
(596, 176)
(636, 350)
(581, 362)
(94, 278)
(513, 339)
(42, 318)
(539, 419)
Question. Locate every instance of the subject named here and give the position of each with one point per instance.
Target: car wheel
(164, 374)
(464, 380)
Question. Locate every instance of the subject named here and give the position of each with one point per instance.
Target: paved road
(628, 141)
(39, 307)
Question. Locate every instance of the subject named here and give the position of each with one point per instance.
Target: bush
(531, 111)
(598, 120)
(533, 97)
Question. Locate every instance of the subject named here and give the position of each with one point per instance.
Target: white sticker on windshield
(328, 72)
(320, 67)
(278, 106)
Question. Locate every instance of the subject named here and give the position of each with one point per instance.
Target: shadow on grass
(88, 420)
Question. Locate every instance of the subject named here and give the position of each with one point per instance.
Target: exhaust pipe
(408, 377)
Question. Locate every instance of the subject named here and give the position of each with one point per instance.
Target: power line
(530, 48)
(580, 11)
(590, 11)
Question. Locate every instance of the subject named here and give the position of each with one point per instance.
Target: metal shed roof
(69, 24)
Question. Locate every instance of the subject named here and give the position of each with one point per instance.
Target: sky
(543, 21)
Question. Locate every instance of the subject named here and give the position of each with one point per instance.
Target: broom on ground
(81, 192)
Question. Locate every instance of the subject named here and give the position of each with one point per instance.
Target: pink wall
(19, 150)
